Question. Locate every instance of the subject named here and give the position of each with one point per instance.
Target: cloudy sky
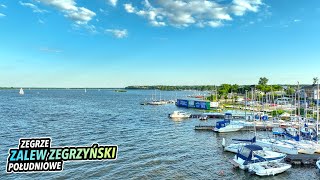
(116, 43)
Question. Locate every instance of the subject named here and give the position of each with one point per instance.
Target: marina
(154, 124)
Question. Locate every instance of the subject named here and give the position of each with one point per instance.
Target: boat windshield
(245, 152)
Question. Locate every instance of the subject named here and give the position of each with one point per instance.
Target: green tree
(235, 88)
(290, 90)
(262, 85)
(263, 81)
(315, 81)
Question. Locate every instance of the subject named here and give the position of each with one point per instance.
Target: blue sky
(109, 43)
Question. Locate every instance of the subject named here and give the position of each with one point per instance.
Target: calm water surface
(150, 144)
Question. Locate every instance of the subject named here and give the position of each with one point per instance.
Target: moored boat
(234, 147)
(250, 154)
(303, 148)
(179, 114)
(268, 168)
(278, 146)
(226, 125)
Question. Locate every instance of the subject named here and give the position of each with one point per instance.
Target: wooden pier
(302, 159)
(246, 128)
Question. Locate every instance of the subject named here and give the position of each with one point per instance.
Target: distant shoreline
(13, 88)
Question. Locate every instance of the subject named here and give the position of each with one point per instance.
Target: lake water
(151, 146)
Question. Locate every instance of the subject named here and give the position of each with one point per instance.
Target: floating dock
(216, 116)
(302, 159)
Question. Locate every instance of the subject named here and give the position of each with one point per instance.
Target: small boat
(203, 118)
(21, 92)
(120, 90)
(157, 103)
(226, 125)
(268, 168)
(234, 147)
(250, 154)
(179, 114)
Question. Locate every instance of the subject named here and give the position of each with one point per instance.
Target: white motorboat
(227, 125)
(179, 114)
(250, 154)
(234, 147)
(278, 146)
(268, 168)
(303, 148)
(157, 103)
(21, 92)
(313, 144)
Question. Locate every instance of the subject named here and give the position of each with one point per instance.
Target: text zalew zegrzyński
(36, 154)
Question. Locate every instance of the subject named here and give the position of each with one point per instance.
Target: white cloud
(183, 13)
(113, 2)
(129, 8)
(297, 20)
(118, 33)
(240, 7)
(215, 23)
(79, 15)
(2, 15)
(34, 8)
(3, 6)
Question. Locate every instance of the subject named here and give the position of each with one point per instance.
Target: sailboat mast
(295, 104)
(245, 110)
(305, 107)
(299, 119)
(298, 100)
(317, 110)
(254, 121)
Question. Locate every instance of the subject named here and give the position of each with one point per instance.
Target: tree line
(222, 89)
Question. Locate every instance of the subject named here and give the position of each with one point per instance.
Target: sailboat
(21, 92)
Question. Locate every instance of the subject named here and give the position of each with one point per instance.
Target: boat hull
(282, 148)
(228, 129)
(263, 169)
